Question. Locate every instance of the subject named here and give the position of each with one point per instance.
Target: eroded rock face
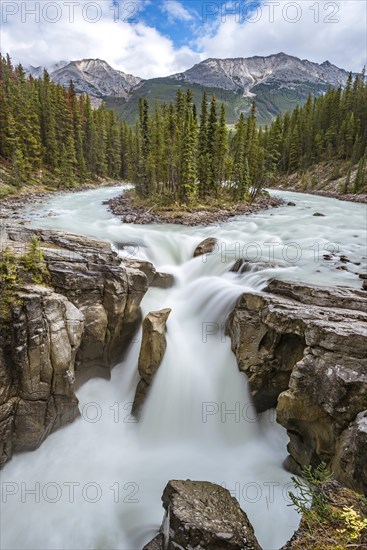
(202, 515)
(349, 462)
(84, 319)
(266, 344)
(303, 349)
(153, 347)
(106, 289)
(207, 246)
(37, 357)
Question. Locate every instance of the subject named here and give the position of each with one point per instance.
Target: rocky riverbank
(124, 208)
(326, 179)
(55, 334)
(12, 207)
(349, 197)
(303, 350)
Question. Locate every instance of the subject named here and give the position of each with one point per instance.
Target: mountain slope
(277, 83)
(96, 78)
(244, 74)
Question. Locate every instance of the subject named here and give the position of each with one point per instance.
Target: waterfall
(97, 483)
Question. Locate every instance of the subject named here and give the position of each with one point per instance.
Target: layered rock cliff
(83, 319)
(303, 349)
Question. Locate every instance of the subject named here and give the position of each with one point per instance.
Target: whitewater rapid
(97, 483)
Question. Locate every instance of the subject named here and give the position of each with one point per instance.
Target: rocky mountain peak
(97, 78)
(243, 74)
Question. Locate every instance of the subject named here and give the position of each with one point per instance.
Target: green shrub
(35, 263)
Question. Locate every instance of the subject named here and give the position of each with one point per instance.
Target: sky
(152, 38)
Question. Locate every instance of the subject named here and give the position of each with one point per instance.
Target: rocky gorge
(301, 346)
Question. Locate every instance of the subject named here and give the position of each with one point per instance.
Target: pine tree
(212, 149)
(222, 147)
(203, 149)
(360, 179)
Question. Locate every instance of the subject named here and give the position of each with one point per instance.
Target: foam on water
(198, 421)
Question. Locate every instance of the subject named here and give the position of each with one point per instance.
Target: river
(97, 483)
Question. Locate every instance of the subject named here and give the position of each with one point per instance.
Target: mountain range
(276, 82)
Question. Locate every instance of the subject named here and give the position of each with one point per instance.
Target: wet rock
(242, 265)
(207, 246)
(200, 514)
(153, 347)
(156, 544)
(83, 320)
(318, 214)
(303, 349)
(362, 275)
(290, 203)
(344, 259)
(163, 280)
(364, 285)
(141, 265)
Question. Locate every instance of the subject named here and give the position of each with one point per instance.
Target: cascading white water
(100, 479)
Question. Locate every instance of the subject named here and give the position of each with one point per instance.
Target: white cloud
(336, 32)
(132, 47)
(176, 11)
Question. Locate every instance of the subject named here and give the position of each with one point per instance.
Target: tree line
(173, 152)
(330, 127)
(47, 131)
(184, 155)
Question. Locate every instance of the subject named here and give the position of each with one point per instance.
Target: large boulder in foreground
(82, 320)
(200, 514)
(153, 347)
(303, 349)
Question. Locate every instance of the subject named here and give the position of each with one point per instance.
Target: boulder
(202, 515)
(303, 349)
(243, 265)
(163, 280)
(153, 347)
(207, 246)
(84, 319)
(318, 214)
